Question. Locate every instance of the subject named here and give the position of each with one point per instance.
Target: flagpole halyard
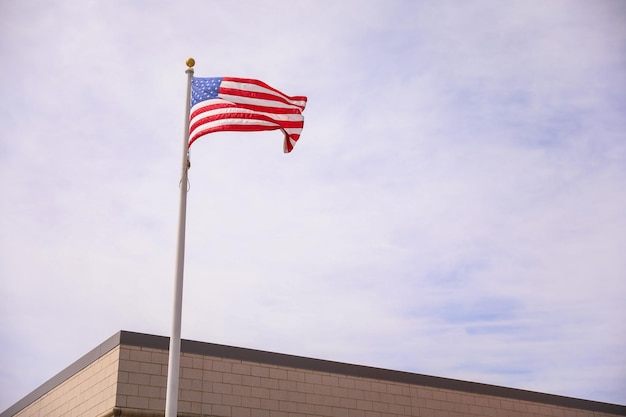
(173, 368)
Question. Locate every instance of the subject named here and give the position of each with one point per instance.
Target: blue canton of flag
(204, 89)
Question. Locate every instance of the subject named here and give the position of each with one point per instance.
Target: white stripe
(229, 122)
(257, 101)
(200, 131)
(239, 122)
(257, 88)
(236, 121)
(293, 130)
(286, 117)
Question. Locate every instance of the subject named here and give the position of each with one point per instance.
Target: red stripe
(239, 115)
(254, 94)
(234, 128)
(266, 109)
(285, 124)
(226, 104)
(262, 84)
(220, 105)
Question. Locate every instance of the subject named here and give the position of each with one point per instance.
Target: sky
(455, 206)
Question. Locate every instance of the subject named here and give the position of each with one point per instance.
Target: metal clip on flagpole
(173, 368)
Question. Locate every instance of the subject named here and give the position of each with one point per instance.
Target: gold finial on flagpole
(190, 62)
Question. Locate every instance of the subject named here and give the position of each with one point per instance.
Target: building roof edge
(129, 338)
(65, 374)
(322, 365)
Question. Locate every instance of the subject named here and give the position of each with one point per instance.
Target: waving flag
(243, 105)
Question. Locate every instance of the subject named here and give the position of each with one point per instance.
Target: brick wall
(89, 392)
(213, 386)
(142, 378)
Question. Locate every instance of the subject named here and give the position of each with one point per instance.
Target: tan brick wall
(142, 378)
(223, 387)
(89, 392)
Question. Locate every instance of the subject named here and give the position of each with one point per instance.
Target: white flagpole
(173, 367)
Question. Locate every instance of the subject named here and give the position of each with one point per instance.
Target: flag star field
(205, 89)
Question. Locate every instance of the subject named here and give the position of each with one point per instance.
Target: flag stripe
(246, 119)
(260, 84)
(198, 108)
(246, 84)
(245, 100)
(217, 106)
(243, 95)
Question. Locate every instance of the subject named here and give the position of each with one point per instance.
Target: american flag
(243, 105)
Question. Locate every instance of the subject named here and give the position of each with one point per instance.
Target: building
(126, 376)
